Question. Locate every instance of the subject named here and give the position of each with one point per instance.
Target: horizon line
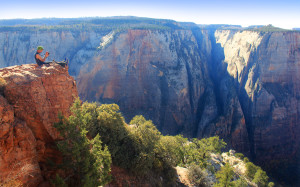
(243, 26)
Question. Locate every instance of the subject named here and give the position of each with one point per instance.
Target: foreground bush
(225, 176)
(139, 148)
(86, 162)
(197, 176)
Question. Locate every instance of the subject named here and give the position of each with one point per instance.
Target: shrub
(197, 176)
(271, 184)
(108, 122)
(170, 149)
(225, 176)
(241, 182)
(261, 178)
(87, 161)
(251, 170)
(246, 159)
(239, 155)
(146, 137)
(58, 182)
(198, 151)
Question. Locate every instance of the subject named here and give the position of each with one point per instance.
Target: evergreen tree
(225, 176)
(261, 178)
(241, 182)
(86, 161)
(251, 170)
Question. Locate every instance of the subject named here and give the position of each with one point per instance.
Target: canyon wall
(164, 76)
(265, 67)
(240, 85)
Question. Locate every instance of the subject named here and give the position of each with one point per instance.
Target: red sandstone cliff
(31, 99)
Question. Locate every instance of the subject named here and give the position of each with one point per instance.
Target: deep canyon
(240, 84)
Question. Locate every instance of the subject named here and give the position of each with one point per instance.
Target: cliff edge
(31, 98)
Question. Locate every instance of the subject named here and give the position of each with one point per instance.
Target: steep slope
(163, 75)
(265, 67)
(32, 97)
(240, 85)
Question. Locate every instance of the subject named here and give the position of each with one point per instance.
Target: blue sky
(281, 13)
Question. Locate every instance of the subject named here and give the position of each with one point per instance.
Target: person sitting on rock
(40, 61)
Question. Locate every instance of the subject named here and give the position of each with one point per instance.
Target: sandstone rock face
(240, 85)
(150, 73)
(33, 97)
(266, 71)
(164, 76)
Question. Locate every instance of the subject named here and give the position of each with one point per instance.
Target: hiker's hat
(40, 48)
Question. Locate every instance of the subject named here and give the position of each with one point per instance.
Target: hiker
(40, 61)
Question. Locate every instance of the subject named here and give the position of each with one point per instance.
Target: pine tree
(261, 178)
(86, 161)
(224, 176)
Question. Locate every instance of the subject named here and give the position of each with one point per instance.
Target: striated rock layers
(265, 67)
(241, 85)
(164, 76)
(31, 98)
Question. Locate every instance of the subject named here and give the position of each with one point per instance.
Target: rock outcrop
(31, 99)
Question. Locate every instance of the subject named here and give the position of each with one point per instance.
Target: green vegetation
(257, 175)
(86, 161)
(251, 170)
(261, 178)
(271, 184)
(197, 176)
(241, 183)
(225, 176)
(239, 155)
(198, 151)
(96, 136)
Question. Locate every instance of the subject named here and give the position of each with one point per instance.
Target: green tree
(261, 178)
(225, 176)
(271, 184)
(241, 182)
(239, 155)
(251, 170)
(246, 160)
(107, 121)
(87, 161)
(197, 176)
(147, 138)
(173, 148)
(198, 151)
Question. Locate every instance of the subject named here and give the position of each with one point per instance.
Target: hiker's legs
(42, 63)
(62, 63)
